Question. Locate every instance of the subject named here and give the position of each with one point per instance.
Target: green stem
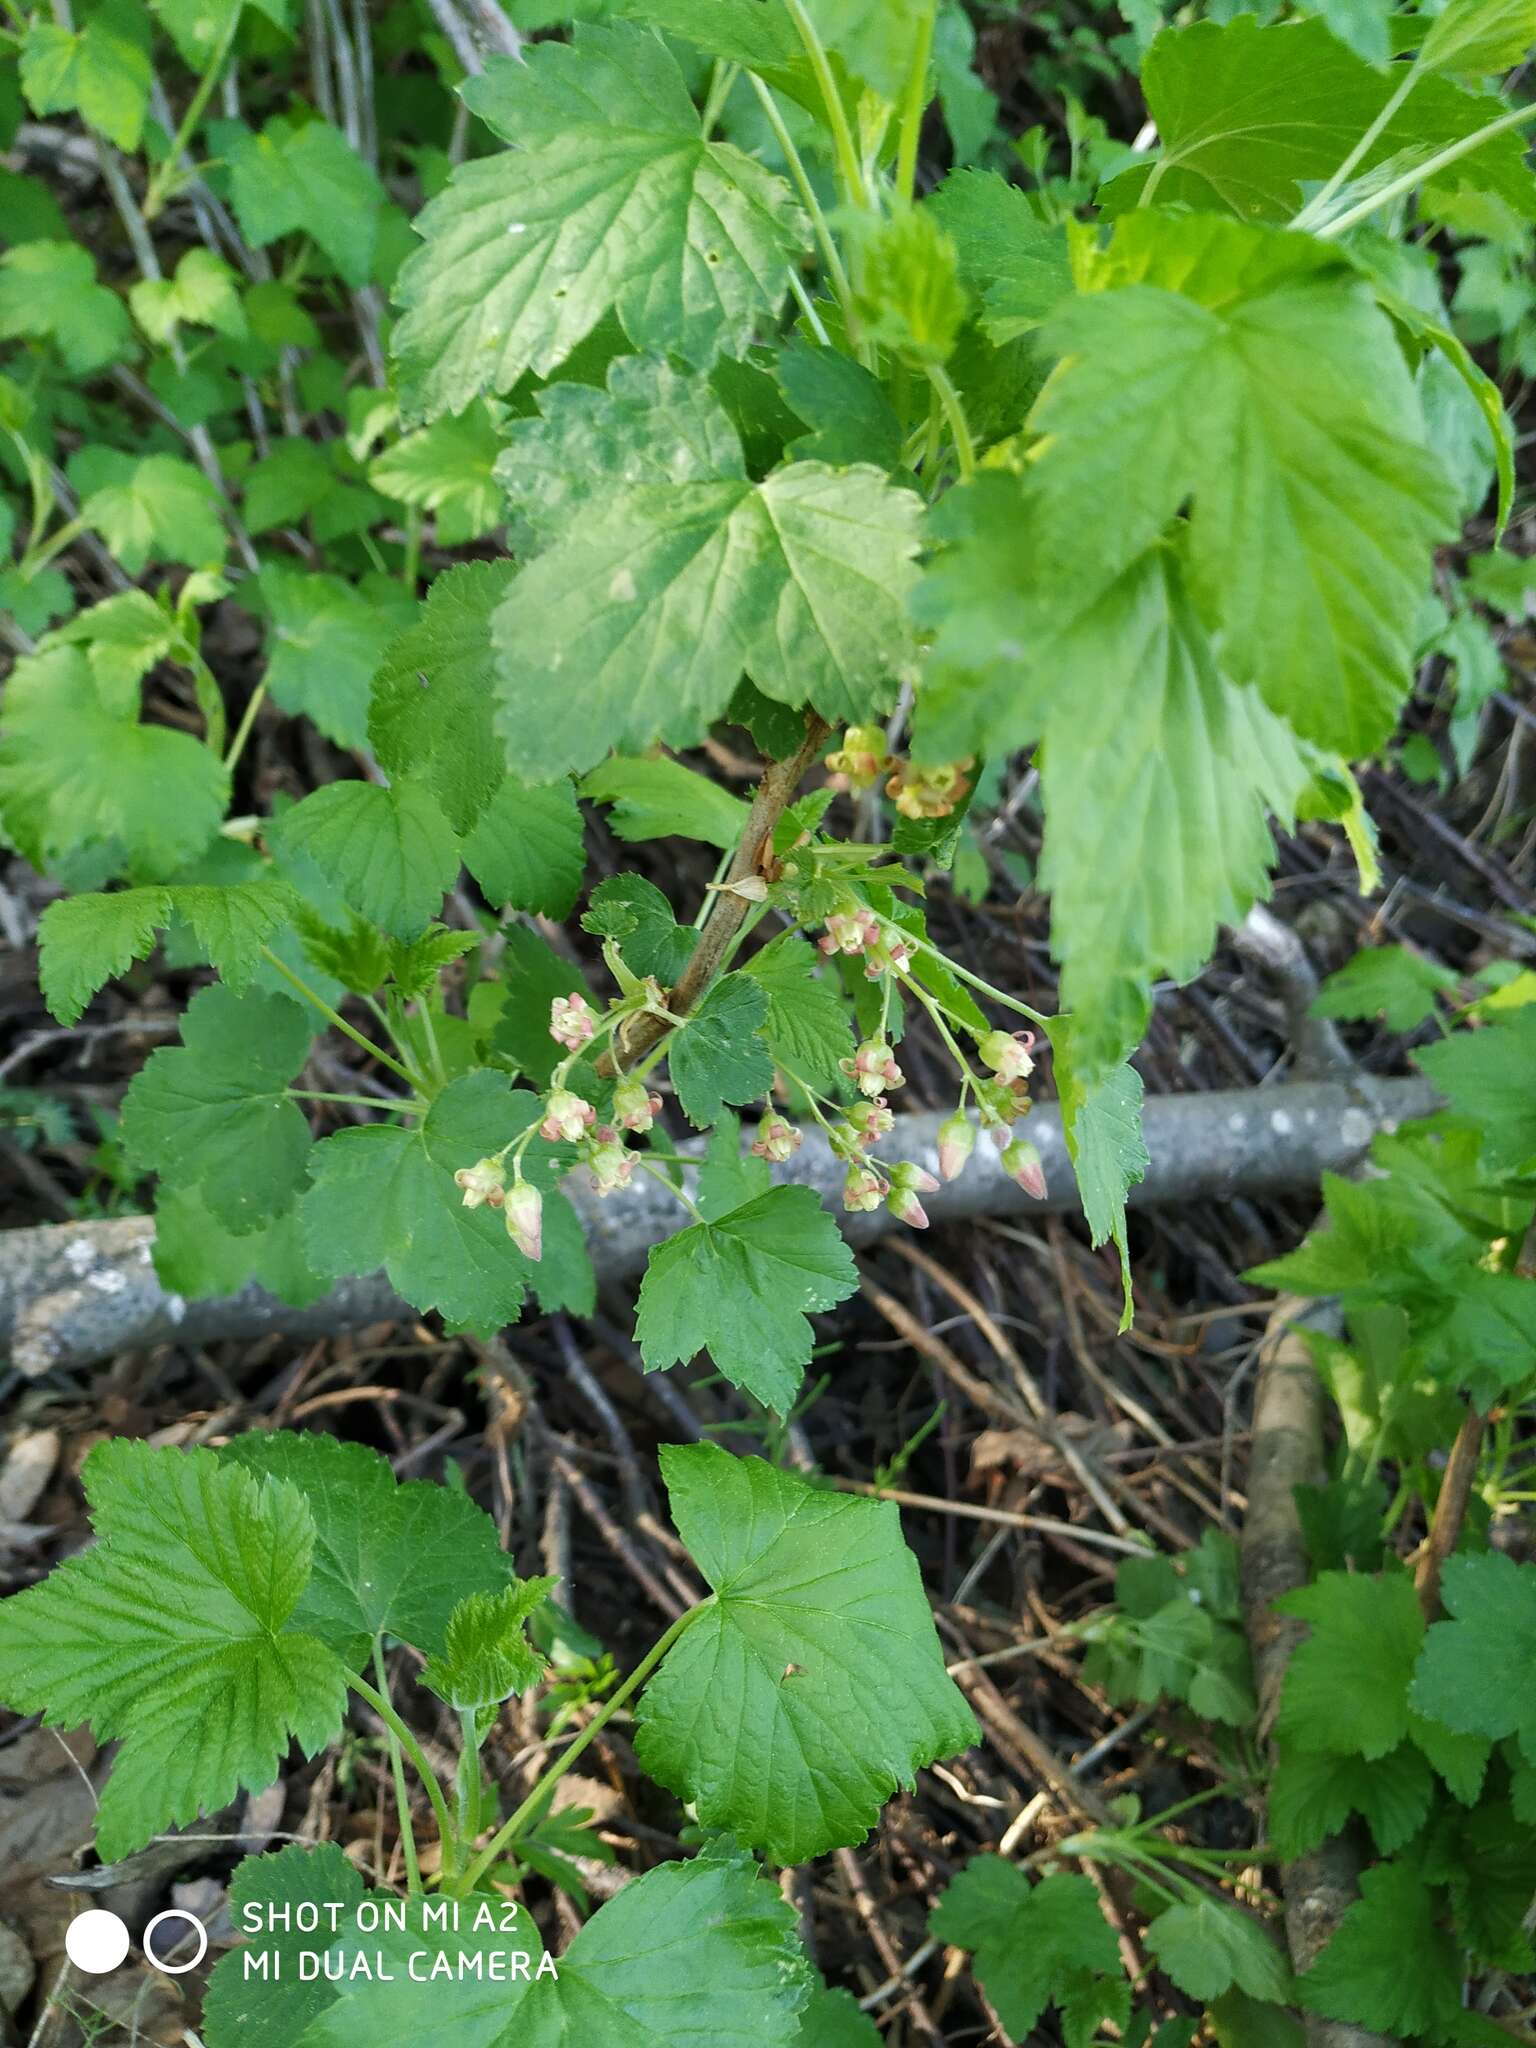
(402, 1796)
(672, 1187)
(721, 81)
(830, 255)
(340, 1022)
(413, 1750)
(410, 569)
(1411, 180)
(429, 1031)
(244, 728)
(469, 1775)
(848, 166)
(964, 974)
(37, 558)
(412, 1108)
(169, 171)
(954, 412)
(511, 1828)
(915, 105)
(1317, 205)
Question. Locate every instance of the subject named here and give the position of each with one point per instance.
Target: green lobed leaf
(1390, 982)
(1207, 1946)
(658, 798)
(430, 716)
(1346, 1687)
(1479, 37)
(448, 469)
(1476, 1672)
(328, 638)
(633, 911)
(49, 292)
(1249, 115)
(611, 200)
(525, 849)
(213, 1114)
(390, 852)
(103, 70)
(741, 1287)
(89, 940)
(1101, 1123)
(812, 1686)
(806, 1030)
(1391, 1965)
(196, 1256)
(637, 626)
(303, 178)
(1014, 259)
(242, 2010)
(390, 1558)
(386, 1197)
(1486, 1077)
(156, 509)
(650, 424)
(717, 1055)
(173, 1634)
(1312, 1795)
(1035, 1945)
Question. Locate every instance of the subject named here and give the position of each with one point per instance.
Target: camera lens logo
(97, 1942)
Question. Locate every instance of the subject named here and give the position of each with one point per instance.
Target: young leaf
(611, 199)
(1346, 1688)
(386, 1197)
(431, 710)
(845, 405)
(1390, 982)
(390, 1559)
(811, 1686)
(303, 178)
(1016, 260)
(203, 293)
(327, 641)
(657, 798)
(638, 624)
(448, 469)
(525, 849)
(741, 1288)
(806, 1029)
(1035, 1945)
(158, 509)
(213, 1114)
(718, 1056)
(173, 1634)
(391, 852)
(1477, 1671)
(103, 71)
(1207, 1946)
(48, 292)
(876, 39)
(634, 911)
(486, 1655)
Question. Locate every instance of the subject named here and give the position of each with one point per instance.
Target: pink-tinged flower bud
(777, 1139)
(957, 1141)
(611, 1167)
(874, 1068)
(906, 1208)
(634, 1107)
(1007, 1054)
(482, 1183)
(870, 1121)
(863, 1188)
(892, 956)
(1021, 1162)
(525, 1219)
(567, 1119)
(571, 1021)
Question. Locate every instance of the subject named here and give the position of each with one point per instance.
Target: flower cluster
(917, 792)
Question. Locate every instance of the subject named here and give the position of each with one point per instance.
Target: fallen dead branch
(74, 1293)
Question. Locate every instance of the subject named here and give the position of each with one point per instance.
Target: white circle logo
(96, 1942)
(189, 1919)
